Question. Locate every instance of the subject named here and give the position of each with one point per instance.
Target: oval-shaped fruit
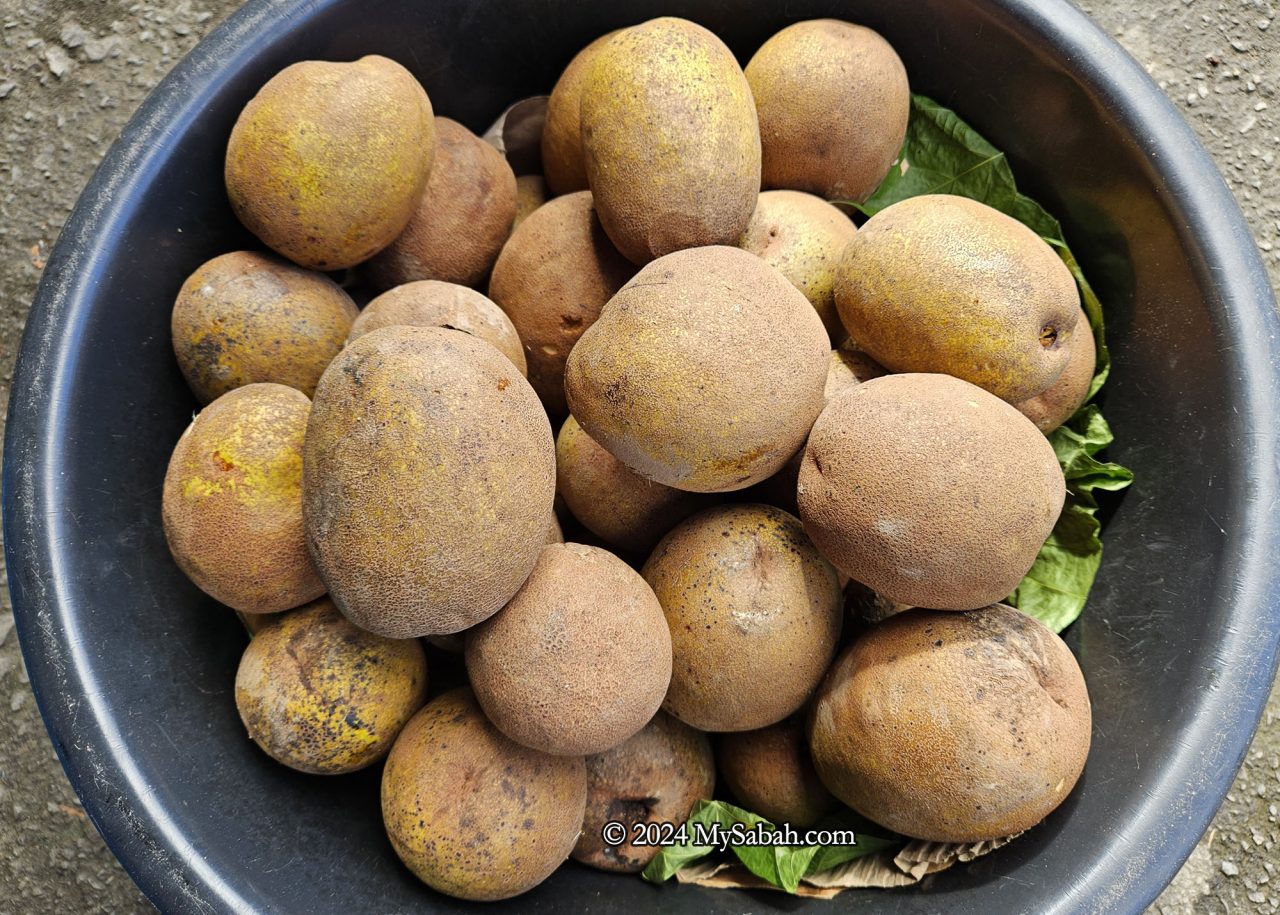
(670, 139)
(428, 482)
(946, 284)
(804, 237)
(460, 222)
(474, 814)
(431, 303)
(246, 317)
(322, 696)
(613, 501)
(579, 660)
(233, 501)
(328, 160)
(704, 372)
(833, 103)
(770, 773)
(552, 279)
(562, 160)
(1059, 402)
(754, 613)
(953, 727)
(655, 777)
(531, 193)
(929, 490)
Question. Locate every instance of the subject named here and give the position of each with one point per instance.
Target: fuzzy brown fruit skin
(945, 284)
(770, 773)
(428, 480)
(552, 279)
(953, 727)
(327, 162)
(245, 317)
(1057, 404)
(670, 139)
(704, 372)
(562, 160)
(833, 102)
(655, 777)
(953, 534)
(431, 303)
(612, 500)
(531, 193)
(232, 501)
(847, 367)
(755, 615)
(804, 237)
(472, 813)
(579, 660)
(321, 696)
(460, 222)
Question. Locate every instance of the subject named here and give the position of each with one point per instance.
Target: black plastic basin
(133, 667)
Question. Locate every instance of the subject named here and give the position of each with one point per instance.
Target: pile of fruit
(800, 463)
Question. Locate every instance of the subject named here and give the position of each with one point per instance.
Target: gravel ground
(71, 73)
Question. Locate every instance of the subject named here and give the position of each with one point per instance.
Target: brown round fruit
(1054, 406)
(552, 278)
(944, 284)
(562, 160)
(473, 814)
(327, 162)
(245, 317)
(669, 139)
(770, 773)
(833, 102)
(324, 697)
(953, 727)
(655, 777)
(704, 372)
(460, 221)
(803, 237)
(612, 500)
(232, 501)
(431, 303)
(579, 660)
(929, 490)
(428, 482)
(754, 613)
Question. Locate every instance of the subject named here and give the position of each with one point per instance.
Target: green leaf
(943, 155)
(781, 865)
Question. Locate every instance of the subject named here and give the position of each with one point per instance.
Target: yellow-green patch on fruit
(929, 490)
(1058, 403)
(579, 660)
(612, 500)
(552, 278)
(804, 237)
(322, 696)
(245, 317)
(670, 139)
(428, 482)
(460, 222)
(755, 616)
(833, 101)
(704, 372)
(531, 193)
(327, 162)
(945, 284)
(232, 501)
(431, 303)
(655, 777)
(562, 160)
(472, 813)
(953, 727)
(770, 773)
